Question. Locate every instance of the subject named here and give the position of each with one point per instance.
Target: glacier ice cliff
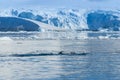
(91, 20)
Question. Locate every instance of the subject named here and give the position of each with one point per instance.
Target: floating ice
(6, 38)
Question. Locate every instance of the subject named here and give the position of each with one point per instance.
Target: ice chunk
(5, 38)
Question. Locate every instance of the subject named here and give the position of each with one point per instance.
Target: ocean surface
(100, 60)
(93, 66)
(59, 59)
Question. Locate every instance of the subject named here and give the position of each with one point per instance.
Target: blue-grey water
(96, 66)
(95, 59)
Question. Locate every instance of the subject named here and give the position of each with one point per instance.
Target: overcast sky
(60, 3)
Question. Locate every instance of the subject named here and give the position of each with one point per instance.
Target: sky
(115, 4)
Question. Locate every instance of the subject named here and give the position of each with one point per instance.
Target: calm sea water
(101, 63)
(97, 66)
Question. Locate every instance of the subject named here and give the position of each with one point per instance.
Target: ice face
(93, 20)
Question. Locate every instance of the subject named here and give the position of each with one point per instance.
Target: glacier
(59, 24)
(73, 19)
(58, 31)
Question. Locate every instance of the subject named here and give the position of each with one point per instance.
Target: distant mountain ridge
(93, 20)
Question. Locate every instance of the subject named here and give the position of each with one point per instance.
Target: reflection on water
(94, 66)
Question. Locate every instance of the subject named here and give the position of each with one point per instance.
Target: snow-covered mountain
(70, 18)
